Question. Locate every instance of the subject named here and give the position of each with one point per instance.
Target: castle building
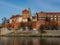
(54, 16)
(41, 18)
(48, 18)
(25, 17)
(16, 18)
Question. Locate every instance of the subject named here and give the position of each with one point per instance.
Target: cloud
(8, 9)
(46, 5)
(9, 5)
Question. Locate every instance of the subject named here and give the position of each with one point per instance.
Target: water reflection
(29, 41)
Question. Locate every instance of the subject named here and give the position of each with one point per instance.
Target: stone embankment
(5, 31)
(48, 33)
(51, 33)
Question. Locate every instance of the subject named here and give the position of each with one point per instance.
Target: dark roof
(15, 16)
(50, 12)
(25, 10)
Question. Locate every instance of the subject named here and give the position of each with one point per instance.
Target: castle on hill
(45, 20)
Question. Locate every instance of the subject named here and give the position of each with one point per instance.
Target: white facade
(18, 19)
(10, 20)
(25, 20)
(34, 29)
(34, 19)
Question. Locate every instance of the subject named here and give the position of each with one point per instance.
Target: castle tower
(30, 13)
(26, 15)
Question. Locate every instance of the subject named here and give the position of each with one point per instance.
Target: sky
(12, 7)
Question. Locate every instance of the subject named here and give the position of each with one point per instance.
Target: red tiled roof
(25, 10)
(50, 12)
(15, 16)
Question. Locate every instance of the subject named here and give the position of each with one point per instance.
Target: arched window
(29, 19)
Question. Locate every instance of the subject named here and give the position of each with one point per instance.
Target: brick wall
(25, 14)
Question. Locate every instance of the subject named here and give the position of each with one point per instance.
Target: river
(29, 41)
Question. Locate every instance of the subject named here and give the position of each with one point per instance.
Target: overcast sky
(12, 7)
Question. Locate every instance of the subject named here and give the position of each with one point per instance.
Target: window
(52, 18)
(41, 18)
(29, 19)
(55, 19)
(59, 18)
(55, 16)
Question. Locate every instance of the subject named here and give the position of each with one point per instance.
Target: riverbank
(27, 36)
(47, 33)
(30, 33)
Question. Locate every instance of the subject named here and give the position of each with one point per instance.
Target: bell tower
(26, 14)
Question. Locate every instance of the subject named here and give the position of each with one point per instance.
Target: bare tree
(4, 20)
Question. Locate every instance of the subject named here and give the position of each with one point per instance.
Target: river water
(29, 41)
